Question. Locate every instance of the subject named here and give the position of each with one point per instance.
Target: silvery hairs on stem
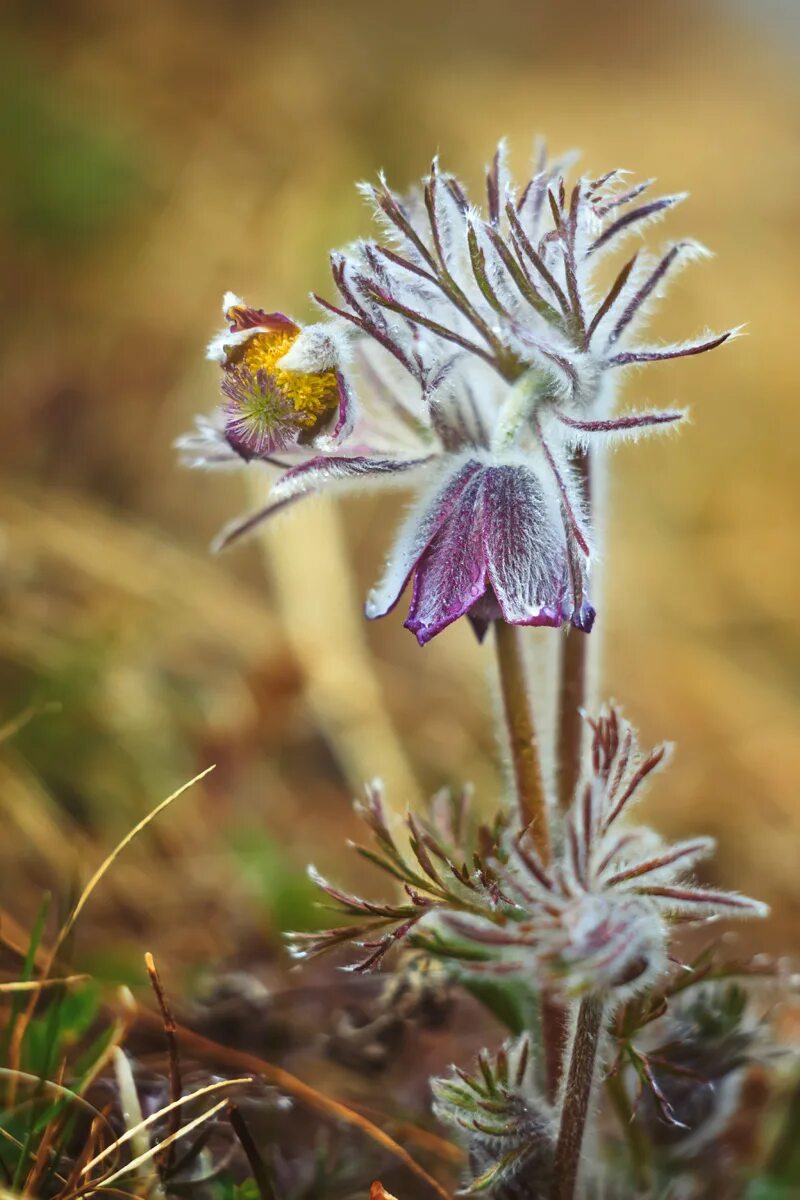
(470, 357)
(597, 919)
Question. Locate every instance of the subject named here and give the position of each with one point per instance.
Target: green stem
(577, 1097)
(638, 1147)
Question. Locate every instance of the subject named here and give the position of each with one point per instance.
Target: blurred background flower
(153, 158)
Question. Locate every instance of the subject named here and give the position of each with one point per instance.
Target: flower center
(313, 396)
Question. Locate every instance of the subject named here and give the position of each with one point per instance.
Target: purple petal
(426, 519)
(450, 574)
(524, 547)
(346, 413)
(583, 618)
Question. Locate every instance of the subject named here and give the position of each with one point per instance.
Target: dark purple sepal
(484, 613)
(547, 618)
(498, 539)
(450, 573)
(345, 414)
(241, 316)
(429, 523)
(480, 626)
(583, 618)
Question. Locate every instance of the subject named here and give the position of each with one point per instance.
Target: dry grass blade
(73, 1184)
(424, 1138)
(13, 726)
(49, 1085)
(58, 1089)
(141, 1159)
(19, 1029)
(118, 1033)
(131, 1134)
(107, 862)
(35, 985)
(306, 1094)
(18, 1145)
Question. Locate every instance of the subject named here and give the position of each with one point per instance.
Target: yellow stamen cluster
(313, 396)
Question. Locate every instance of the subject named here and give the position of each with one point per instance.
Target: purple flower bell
(490, 544)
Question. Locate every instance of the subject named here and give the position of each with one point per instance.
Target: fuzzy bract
(507, 1125)
(596, 919)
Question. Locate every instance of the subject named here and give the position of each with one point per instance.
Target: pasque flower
(484, 360)
(266, 408)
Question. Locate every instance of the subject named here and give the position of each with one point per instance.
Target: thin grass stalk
(261, 1173)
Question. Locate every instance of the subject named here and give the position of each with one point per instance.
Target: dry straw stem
(304, 1093)
(107, 862)
(36, 985)
(136, 1134)
(132, 1133)
(19, 1030)
(322, 615)
(147, 1155)
(424, 1138)
(50, 1086)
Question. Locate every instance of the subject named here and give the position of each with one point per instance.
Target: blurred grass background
(155, 155)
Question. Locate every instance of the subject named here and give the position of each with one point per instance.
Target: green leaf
(768, 1188)
(512, 1001)
(284, 888)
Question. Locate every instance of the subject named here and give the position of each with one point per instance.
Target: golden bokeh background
(156, 155)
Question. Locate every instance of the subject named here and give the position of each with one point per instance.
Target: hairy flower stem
(577, 1096)
(523, 744)
(572, 685)
(532, 806)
